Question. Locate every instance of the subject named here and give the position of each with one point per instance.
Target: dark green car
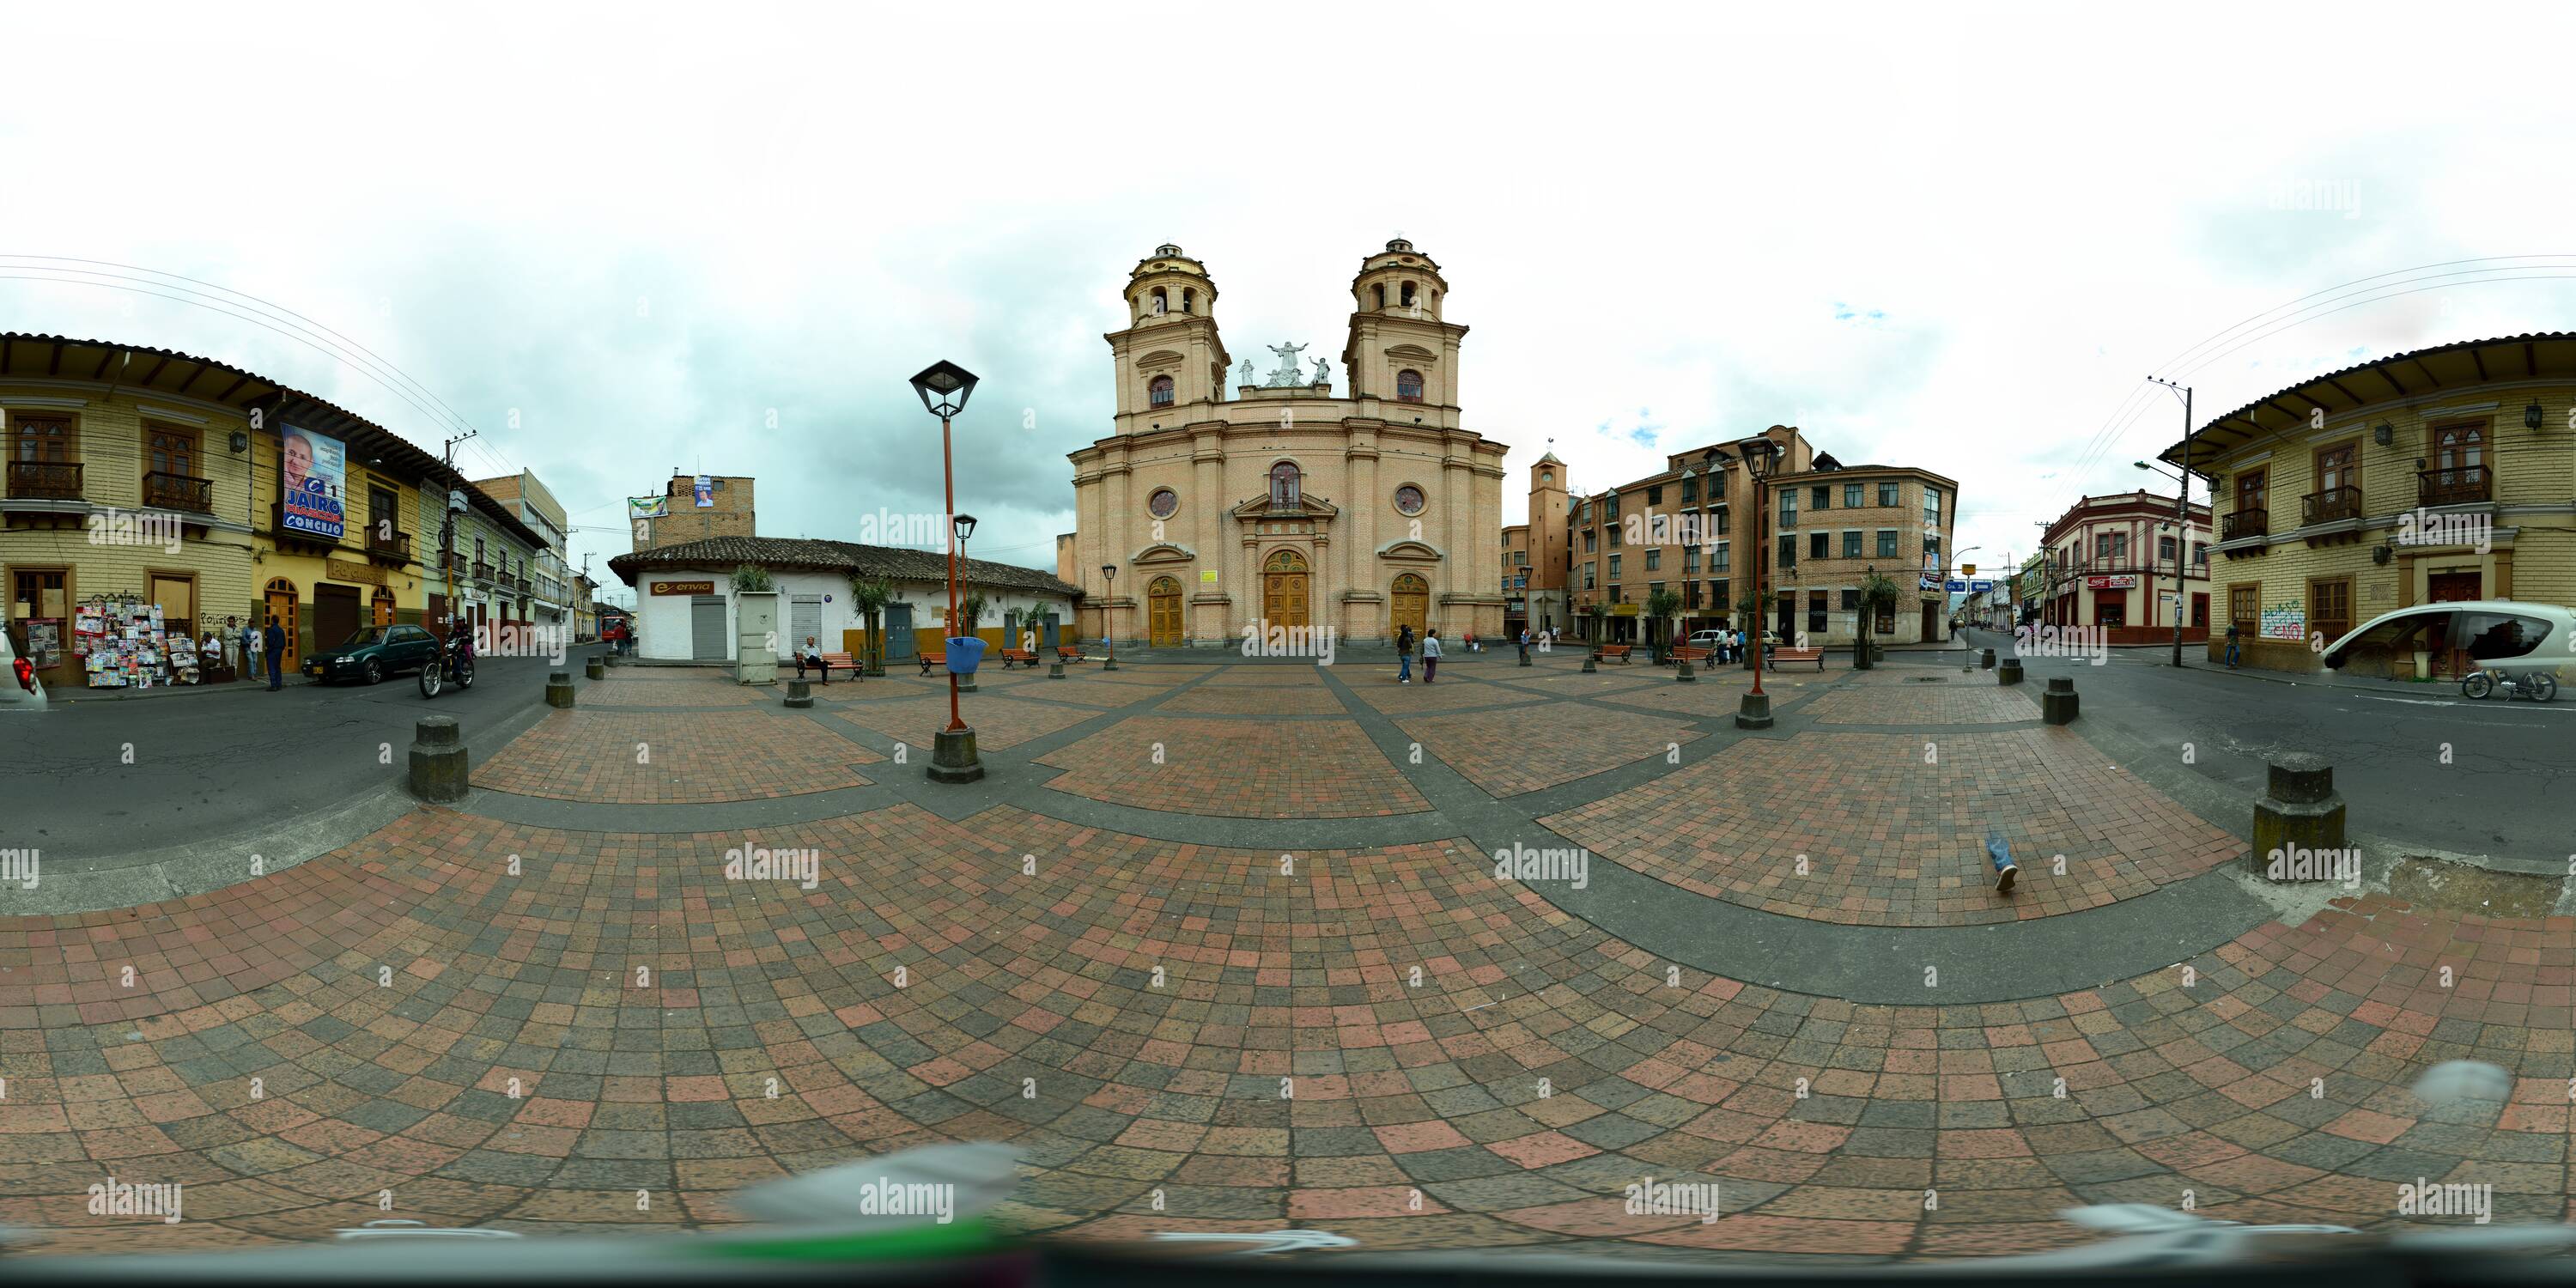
(373, 653)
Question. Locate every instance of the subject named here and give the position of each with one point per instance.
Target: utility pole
(2182, 516)
(447, 522)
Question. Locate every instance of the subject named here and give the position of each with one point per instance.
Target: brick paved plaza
(1215, 950)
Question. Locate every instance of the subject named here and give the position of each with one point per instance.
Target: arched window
(1406, 299)
(1283, 486)
(1159, 391)
(1380, 288)
(1162, 302)
(1408, 386)
(1189, 300)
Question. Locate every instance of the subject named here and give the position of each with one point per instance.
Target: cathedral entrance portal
(1284, 589)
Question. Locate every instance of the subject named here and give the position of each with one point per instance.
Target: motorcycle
(453, 665)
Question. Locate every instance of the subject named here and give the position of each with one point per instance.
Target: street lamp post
(953, 758)
(1108, 637)
(1760, 456)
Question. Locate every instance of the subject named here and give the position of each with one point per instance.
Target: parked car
(373, 653)
(2504, 635)
(20, 690)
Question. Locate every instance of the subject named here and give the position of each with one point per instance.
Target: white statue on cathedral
(1288, 375)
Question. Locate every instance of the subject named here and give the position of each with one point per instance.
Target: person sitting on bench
(813, 657)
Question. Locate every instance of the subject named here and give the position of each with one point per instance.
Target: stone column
(1360, 512)
(1207, 526)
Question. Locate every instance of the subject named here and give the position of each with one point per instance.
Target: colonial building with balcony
(2447, 473)
(212, 492)
(2110, 561)
(1687, 529)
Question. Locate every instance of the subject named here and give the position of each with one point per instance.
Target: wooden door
(1163, 613)
(2451, 587)
(1409, 604)
(1283, 589)
(177, 597)
(335, 615)
(282, 606)
(381, 609)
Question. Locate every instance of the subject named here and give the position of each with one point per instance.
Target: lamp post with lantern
(944, 387)
(1108, 637)
(1761, 456)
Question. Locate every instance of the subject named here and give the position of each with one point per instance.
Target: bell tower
(1170, 362)
(1402, 357)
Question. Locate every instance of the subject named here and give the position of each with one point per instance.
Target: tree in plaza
(870, 595)
(1662, 606)
(1876, 590)
(970, 613)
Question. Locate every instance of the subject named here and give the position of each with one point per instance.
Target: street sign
(1980, 585)
(1969, 569)
(1956, 585)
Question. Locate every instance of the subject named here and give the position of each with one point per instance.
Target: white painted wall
(662, 621)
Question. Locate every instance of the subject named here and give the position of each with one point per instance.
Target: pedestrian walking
(2231, 645)
(1404, 654)
(273, 644)
(252, 652)
(1524, 644)
(1430, 656)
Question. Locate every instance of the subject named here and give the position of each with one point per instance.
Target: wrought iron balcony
(55, 480)
(2245, 523)
(2458, 485)
(179, 492)
(482, 571)
(391, 545)
(2330, 504)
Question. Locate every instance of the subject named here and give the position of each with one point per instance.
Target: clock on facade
(1163, 504)
(1408, 500)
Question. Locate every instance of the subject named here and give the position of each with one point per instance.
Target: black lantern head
(965, 525)
(944, 387)
(1109, 572)
(2531, 416)
(1760, 456)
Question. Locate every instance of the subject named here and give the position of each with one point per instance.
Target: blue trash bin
(963, 654)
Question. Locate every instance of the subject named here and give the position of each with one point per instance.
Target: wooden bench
(831, 662)
(1686, 653)
(1021, 655)
(1069, 652)
(1815, 655)
(929, 660)
(1613, 653)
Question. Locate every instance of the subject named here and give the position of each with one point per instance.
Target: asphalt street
(209, 764)
(2506, 794)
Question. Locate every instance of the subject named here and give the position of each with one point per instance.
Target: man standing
(273, 642)
(2231, 645)
(1404, 654)
(1524, 646)
(250, 641)
(232, 638)
(1430, 656)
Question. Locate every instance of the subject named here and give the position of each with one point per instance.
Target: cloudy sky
(623, 241)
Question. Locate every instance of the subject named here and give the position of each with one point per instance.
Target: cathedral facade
(1233, 503)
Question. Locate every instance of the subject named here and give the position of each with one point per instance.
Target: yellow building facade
(146, 490)
(1230, 501)
(2444, 474)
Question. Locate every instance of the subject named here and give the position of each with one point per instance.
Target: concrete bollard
(2298, 824)
(1109, 663)
(559, 689)
(2010, 672)
(1525, 657)
(1986, 660)
(1587, 664)
(800, 694)
(1753, 711)
(1682, 673)
(966, 683)
(1055, 669)
(596, 668)
(438, 760)
(2058, 705)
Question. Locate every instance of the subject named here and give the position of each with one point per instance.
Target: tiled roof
(817, 555)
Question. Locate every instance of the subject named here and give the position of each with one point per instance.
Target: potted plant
(1875, 590)
(1661, 605)
(870, 595)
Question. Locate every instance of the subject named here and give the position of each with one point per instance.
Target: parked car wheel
(374, 672)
